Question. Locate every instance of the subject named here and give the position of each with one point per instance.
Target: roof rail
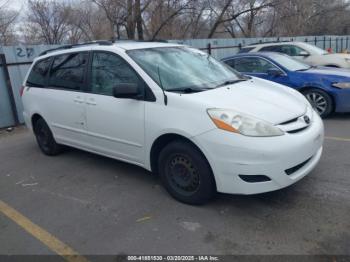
(271, 42)
(138, 40)
(99, 42)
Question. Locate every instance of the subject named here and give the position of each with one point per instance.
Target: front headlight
(236, 122)
(342, 85)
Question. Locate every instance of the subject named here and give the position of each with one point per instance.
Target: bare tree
(7, 21)
(90, 20)
(57, 21)
(161, 18)
(231, 11)
(48, 21)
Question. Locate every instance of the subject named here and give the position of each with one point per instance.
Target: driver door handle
(91, 102)
(79, 100)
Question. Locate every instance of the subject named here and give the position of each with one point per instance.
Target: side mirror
(126, 90)
(304, 53)
(274, 72)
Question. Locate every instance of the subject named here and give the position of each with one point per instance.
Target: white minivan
(175, 111)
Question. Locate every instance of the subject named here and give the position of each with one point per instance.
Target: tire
(320, 101)
(45, 139)
(185, 173)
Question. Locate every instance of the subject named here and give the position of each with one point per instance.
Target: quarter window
(37, 77)
(108, 70)
(245, 50)
(68, 71)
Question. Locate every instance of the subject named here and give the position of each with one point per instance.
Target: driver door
(115, 125)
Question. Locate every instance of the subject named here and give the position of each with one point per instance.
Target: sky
(14, 4)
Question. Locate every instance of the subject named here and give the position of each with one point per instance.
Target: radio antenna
(161, 86)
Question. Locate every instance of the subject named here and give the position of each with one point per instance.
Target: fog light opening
(254, 178)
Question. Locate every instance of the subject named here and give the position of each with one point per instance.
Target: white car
(175, 111)
(307, 53)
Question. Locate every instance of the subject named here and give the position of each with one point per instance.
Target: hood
(329, 71)
(259, 98)
(338, 55)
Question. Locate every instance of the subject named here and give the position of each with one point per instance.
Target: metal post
(324, 42)
(336, 44)
(347, 42)
(341, 45)
(209, 48)
(9, 88)
(330, 42)
(315, 40)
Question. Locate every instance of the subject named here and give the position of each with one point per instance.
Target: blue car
(327, 89)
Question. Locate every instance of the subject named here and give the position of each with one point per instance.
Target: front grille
(297, 130)
(289, 121)
(295, 125)
(294, 169)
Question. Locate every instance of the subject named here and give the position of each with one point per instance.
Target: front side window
(108, 70)
(183, 68)
(37, 77)
(271, 48)
(253, 65)
(68, 70)
(292, 50)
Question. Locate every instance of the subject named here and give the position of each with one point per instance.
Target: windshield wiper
(187, 90)
(231, 82)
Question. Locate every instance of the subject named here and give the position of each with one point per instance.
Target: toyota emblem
(307, 119)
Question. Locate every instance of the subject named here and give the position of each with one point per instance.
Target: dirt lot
(96, 205)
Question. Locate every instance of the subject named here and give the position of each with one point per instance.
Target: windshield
(180, 68)
(288, 62)
(315, 50)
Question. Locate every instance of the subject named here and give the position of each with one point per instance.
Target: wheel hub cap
(183, 174)
(318, 102)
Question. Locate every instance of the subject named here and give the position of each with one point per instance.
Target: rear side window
(37, 77)
(245, 50)
(68, 71)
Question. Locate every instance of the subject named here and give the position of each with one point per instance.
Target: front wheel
(45, 138)
(186, 174)
(320, 101)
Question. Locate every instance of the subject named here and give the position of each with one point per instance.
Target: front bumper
(231, 155)
(342, 100)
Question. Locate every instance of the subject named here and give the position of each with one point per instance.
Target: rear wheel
(186, 173)
(320, 101)
(45, 139)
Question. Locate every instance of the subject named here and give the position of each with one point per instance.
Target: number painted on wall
(25, 52)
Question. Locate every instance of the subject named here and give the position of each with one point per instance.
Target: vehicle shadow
(132, 175)
(338, 116)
